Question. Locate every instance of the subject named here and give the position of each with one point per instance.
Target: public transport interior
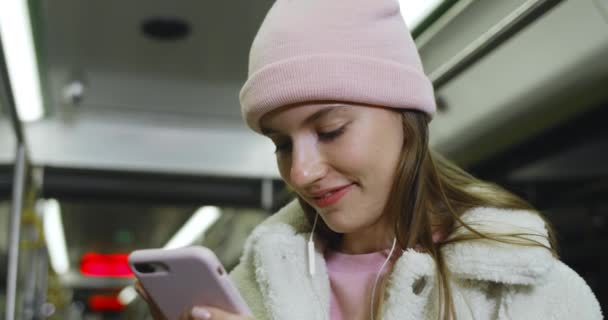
(120, 129)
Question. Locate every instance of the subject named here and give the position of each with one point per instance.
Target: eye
(330, 135)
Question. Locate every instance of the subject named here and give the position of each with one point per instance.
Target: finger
(155, 310)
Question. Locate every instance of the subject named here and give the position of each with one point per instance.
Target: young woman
(382, 227)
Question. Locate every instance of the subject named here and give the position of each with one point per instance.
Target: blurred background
(120, 129)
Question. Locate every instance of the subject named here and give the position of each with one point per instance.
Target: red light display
(105, 265)
(100, 303)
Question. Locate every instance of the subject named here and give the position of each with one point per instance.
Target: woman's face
(340, 158)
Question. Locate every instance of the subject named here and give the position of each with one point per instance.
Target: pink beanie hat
(334, 50)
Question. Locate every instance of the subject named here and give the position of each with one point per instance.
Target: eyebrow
(313, 117)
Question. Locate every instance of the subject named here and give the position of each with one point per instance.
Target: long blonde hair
(430, 194)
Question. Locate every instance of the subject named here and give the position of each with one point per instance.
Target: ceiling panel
(167, 106)
(530, 82)
(102, 44)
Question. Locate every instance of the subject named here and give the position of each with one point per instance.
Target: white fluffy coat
(490, 280)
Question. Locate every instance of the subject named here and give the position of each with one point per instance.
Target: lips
(329, 197)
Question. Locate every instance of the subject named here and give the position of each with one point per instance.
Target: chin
(342, 226)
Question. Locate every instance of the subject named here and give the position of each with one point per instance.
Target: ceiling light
(194, 228)
(18, 46)
(54, 236)
(415, 11)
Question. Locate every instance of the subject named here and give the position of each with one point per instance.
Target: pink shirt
(351, 277)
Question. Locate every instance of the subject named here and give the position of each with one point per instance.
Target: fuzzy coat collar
(278, 249)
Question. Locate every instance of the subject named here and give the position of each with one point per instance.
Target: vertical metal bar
(14, 236)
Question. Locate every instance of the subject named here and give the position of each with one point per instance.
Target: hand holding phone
(178, 279)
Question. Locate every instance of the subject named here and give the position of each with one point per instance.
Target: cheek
(371, 156)
(350, 156)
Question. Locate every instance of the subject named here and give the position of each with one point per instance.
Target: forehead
(300, 114)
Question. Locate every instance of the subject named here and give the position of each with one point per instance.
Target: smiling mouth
(329, 193)
(331, 197)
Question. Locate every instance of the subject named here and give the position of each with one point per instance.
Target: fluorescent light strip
(18, 43)
(54, 236)
(127, 295)
(200, 221)
(193, 229)
(415, 11)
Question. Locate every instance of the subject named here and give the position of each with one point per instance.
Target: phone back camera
(144, 268)
(150, 267)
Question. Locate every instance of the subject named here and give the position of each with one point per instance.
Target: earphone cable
(390, 254)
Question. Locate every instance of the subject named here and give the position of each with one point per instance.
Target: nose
(307, 164)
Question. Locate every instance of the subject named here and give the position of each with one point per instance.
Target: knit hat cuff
(334, 77)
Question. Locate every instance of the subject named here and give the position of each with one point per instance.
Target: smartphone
(178, 279)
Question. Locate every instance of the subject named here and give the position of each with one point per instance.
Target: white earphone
(311, 263)
(311, 249)
(390, 254)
